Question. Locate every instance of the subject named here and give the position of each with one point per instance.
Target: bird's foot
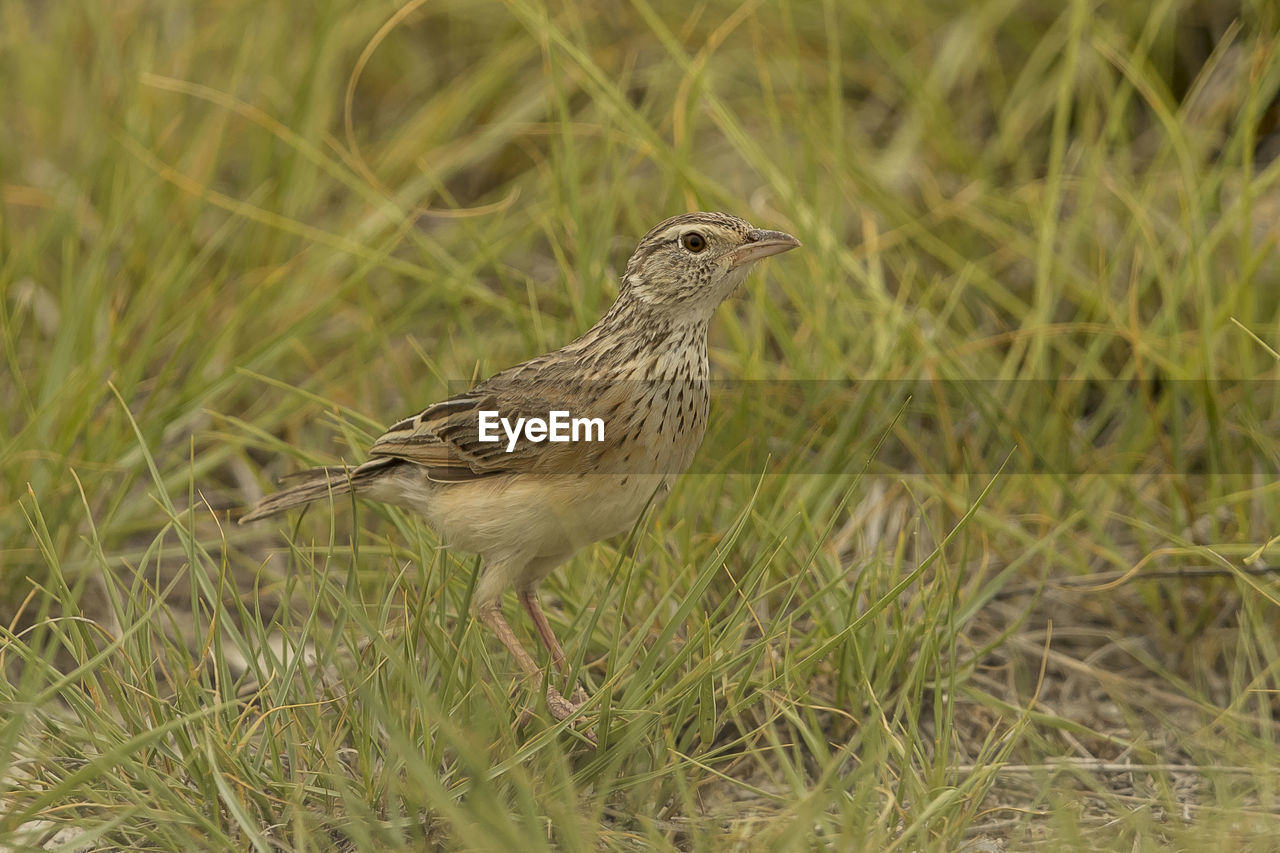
(562, 708)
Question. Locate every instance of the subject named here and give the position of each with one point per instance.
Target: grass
(979, 551)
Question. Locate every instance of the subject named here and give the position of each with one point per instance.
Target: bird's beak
(760, 244)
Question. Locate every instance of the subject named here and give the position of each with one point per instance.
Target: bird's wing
(445, 438)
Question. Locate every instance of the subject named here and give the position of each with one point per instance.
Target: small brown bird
(521, 498)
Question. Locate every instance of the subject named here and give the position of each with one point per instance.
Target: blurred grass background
(241, 238)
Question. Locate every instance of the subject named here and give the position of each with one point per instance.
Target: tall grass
(979, 552)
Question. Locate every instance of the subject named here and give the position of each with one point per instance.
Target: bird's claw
(561, 708)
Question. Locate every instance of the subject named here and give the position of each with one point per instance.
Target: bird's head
(694, 261)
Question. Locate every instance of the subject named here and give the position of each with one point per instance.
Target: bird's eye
(693, 241)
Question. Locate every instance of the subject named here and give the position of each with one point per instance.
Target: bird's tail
(314, 484)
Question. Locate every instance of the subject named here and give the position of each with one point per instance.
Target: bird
(637, 383)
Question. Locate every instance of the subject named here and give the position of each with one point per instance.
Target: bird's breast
(659, 414)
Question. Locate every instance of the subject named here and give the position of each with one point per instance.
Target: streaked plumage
(642, 369)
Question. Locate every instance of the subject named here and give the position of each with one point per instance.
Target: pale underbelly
(530, 516)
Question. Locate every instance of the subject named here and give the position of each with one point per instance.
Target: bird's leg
(560, 707)
(530, 601)
(531, 605)
(492, 616)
